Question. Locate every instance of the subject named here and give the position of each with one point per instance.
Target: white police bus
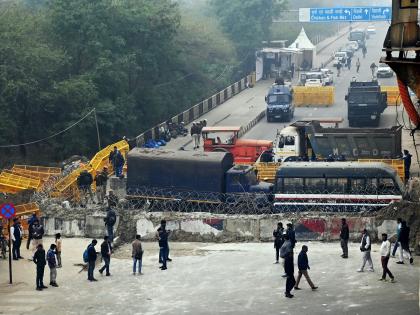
(336, 186)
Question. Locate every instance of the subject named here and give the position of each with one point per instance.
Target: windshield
(357, 35)
(312, 76)
(276, 99)
(340, 54)
(363, 98)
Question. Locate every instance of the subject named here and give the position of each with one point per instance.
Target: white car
(328, 76)
(314, 79)
(340, 56)
(384, 71)
(353, 45)
(371, 29)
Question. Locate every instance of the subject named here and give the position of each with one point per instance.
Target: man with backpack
(89, 256)
(52, 263)
(117, 161)
(110, 220)
(84, 182)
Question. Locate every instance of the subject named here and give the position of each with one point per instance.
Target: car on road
(314, 78)
(349, 52)
(339, 57)
(384, 71)
(328, 76)
(353, 45)
(371, 29)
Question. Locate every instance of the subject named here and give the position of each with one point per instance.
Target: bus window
(386, 186)
(315, 185)
(357, 186)
(337, 185)
(371, 186)
(293, 185)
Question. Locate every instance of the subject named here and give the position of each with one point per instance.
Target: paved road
(213, 279)
(242, 108)
(267, 131)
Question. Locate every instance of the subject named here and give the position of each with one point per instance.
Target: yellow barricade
(398, 165)
(393, 95)
(313, 96)
(38, 169)
(12, 183)
(266, 171)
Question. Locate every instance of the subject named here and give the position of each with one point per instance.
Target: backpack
(86, 255)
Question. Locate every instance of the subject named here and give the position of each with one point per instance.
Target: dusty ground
(212, 279)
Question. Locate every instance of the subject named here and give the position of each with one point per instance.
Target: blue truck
(279, 101)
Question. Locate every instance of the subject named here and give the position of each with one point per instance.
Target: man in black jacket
(91, 259)
(289, 269)
(291, 232)
(110, 220)
(84, 182)
(404, 239)
(101, 180)
(344, 238)
(303, 265)
(106, 251)
(40, 261)
(278, 239)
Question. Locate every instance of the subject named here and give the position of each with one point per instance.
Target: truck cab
(365, 103)
(359, 36)
(226, 139)
(279, 101)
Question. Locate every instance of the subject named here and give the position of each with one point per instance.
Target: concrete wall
(221, 228)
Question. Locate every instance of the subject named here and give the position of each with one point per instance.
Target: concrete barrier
(313, 96)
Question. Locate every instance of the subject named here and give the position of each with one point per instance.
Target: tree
(248, 24)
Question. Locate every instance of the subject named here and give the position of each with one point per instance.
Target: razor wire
(258, 203)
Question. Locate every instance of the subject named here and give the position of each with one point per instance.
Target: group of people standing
(195, 131)
(284, 243)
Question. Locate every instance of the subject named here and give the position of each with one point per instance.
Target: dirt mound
(408, 211)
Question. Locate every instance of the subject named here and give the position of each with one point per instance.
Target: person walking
(195, 134)
(407, 164)
(364, 51)
(163, 235)
(37, 234)
(397, 244)
(286, 252)
(58, 249)
(365, 246)
(344, 238)
(278, 239)
(373, 67)
(52, 264)
(110, 220)
(40, 262)
(106, 251)
(349, 63)
(91, 253)
(101, 180)
(303, 266)
(291, 233)
(385, 253)
(16, 232)
(117, 161)
(137, 254)
(31, 221)
(404, 240)
(163, 226)
(338, 68)
(84, 183)
(358, 65)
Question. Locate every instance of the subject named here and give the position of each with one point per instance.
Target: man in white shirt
(365, 246)
(385, 253)
(16, 233)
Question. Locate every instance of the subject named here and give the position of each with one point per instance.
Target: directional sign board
(7, 211)
(345, 14)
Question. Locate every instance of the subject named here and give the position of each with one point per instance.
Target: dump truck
(365, 104)
(191, 177)
(308, 138)
(226, 139)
